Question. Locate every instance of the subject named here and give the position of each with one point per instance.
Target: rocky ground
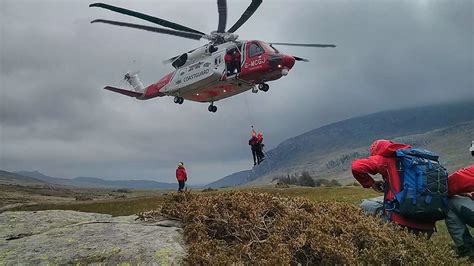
(67, 237)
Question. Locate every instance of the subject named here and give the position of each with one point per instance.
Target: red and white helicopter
(201, 74)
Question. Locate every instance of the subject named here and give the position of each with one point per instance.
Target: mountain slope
(15, 179)
(232, 180)
(328, 151)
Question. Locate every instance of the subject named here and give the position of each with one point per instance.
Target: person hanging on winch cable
(253, 146)
(259, 146)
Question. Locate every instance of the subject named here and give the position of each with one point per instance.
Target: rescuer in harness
(256, 145)
(253, 146)
(260, 154)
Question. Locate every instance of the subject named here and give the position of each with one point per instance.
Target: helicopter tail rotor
(134, 81)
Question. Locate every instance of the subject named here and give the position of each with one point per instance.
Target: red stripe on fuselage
(207, 94)
(153, 90)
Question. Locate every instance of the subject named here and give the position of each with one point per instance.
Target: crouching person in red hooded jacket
(382, 160)
(181, 176)
(461, 210)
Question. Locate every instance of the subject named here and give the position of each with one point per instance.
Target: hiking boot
(464, 251)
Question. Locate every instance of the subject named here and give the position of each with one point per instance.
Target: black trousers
(260, 155)
(237, 66)
(180, 185)
(254, 154)
(230, 68)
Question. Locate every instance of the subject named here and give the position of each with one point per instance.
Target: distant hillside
(232, 180)
(328, 151)
(94, 182)
(8, 178)
(132, 184)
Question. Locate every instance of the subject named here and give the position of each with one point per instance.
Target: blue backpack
(424, 192)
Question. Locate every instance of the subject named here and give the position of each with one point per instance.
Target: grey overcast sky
(55, 117)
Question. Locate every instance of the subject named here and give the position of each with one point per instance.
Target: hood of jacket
(386, 148)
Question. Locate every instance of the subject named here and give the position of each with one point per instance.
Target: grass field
(130, 206)
(116, 207)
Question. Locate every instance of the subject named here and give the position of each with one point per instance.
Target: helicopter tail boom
(124, 92)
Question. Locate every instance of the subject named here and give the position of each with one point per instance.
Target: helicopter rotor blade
(183, 34)
(300, 59)
(149, 18)
(304, 44)
(246, 15)
(171, 60)
(222, 9)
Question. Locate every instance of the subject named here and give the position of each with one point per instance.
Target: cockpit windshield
(268, 47)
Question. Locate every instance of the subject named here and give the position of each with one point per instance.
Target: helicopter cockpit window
(269, 48)
(255, 50)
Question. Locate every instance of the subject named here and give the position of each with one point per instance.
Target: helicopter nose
(282, 62)
(288, 61)
(285, 64)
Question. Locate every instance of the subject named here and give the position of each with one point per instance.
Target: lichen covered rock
(67, 237)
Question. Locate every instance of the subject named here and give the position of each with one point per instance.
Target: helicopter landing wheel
(255, 89)
(178, 100)
(263, 87)
(212, 108)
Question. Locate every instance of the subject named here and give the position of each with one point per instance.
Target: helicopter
(202, 74)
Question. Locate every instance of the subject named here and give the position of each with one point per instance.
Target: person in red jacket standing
(237, 57)
(181, 176)
(382, 160)
(461, 210)
(229, 62)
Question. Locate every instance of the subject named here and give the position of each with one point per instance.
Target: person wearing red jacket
(181, 176)
(259, 146)
(382, 160)
(229, 62)
(461, 210)
(236, 58)
(253, 148)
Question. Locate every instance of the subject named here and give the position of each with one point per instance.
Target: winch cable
(249, 113)
(250, 119)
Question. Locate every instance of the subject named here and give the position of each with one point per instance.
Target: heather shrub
(258, 228)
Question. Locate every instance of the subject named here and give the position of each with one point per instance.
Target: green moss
(162, 256)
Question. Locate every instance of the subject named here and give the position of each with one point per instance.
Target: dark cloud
(56, 119)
